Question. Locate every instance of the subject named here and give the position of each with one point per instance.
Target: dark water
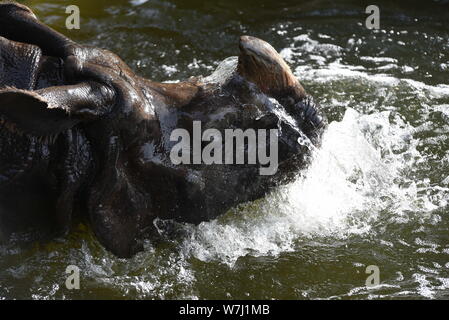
(376, 193)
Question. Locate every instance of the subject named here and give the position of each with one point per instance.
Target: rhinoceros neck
(172, 94)
(261, 64)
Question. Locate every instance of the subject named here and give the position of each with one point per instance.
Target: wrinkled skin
(81, 133)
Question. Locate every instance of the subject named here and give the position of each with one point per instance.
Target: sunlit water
(375, 193)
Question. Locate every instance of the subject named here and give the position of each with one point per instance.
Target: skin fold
(82, 135)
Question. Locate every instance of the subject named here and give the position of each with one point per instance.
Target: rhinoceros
(81, 135)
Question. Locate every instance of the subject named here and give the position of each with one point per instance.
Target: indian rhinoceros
(82, 135)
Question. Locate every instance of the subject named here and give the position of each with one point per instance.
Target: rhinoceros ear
(54, 109)
(261, 64)
(28, 112)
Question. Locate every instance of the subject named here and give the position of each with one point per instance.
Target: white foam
(353, 177)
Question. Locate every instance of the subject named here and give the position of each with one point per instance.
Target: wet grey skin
(82, 136)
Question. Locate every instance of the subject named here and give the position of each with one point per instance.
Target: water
(376, 192)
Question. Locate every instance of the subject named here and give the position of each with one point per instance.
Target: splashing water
(361, 175)
(352, 179)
